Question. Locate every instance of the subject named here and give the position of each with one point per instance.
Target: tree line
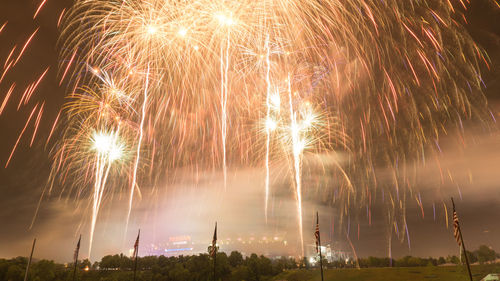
(119, 267)
(482, 255)
(232, 267)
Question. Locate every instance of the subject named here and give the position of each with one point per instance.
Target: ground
(441, 273)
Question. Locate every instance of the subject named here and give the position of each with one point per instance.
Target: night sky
(476, 170)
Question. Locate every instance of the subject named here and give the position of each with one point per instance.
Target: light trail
(108, 149)
(297, 148)
(268, 129)
(138, 152)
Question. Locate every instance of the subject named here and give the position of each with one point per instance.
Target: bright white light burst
(107, 144)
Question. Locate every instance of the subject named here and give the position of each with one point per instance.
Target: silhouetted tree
(485, 254)
(235, 259)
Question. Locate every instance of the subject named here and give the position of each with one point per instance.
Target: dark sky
(476, 171)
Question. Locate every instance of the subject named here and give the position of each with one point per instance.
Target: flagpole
(215, 265)
(29, 261)
(319, 244)
(74, 270)
(214, 250)
(463, 244)
(76, 257)
(136, 252)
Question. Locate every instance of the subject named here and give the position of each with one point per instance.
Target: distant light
(178, 250)
(86, 268)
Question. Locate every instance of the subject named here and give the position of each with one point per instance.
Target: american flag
(136, 245)
(75, 256)
(213, 250)
(316, 233)
(456, 228)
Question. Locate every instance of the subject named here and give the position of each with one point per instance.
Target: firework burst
(157, 86)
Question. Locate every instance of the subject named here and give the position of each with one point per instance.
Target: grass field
(445, 273)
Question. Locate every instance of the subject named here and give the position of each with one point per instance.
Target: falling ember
(39, 8)
(20, 136)
(2, 27)
(25, 46)
(7, 96)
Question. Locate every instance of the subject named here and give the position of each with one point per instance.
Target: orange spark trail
(32, 90)
(20, 135)
(39, 8)
(6, 99)
(53, 126)
(67, 68)
(25, 94)
(26, 45)
(3, 26)
(5, 71)
(138, 154)
(9, 56)
(60, 17)
(37, 123)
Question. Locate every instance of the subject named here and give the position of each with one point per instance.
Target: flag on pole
(136, 245)
(316, 234)
(456, 230)
(75, 257)
(77, 250)
(213, 250)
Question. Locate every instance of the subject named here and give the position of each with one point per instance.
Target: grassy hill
(445, 273)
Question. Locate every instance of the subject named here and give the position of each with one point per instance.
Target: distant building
(175, 246)
(273, 246)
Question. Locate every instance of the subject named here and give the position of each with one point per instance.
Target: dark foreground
(441, 273)
(235, 267)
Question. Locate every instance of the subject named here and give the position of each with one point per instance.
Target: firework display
(156, 86)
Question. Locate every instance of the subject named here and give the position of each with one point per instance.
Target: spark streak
(297, 148)
(108, 150)
(268, 128)
(138, 153)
